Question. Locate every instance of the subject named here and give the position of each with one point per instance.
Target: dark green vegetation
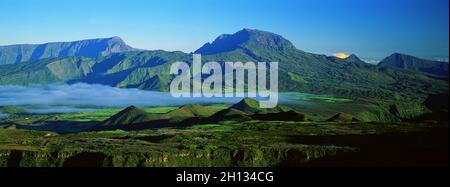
(321, 98)
(342, 117)
(221, 135)
(46, 71)
(250, 143)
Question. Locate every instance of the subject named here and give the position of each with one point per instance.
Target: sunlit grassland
(89, 116)
(160, 110)
(105, 113)
(328, 99)
(212, 127)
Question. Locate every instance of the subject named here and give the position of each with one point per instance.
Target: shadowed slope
(342, 117)
(187, 111)
(129, 116)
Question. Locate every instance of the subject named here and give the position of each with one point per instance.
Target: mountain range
(16, 54)
(411, 63)
(111, 61)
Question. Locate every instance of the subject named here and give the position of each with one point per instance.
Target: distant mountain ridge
(245, 38)
(407, 62)
(92, 48)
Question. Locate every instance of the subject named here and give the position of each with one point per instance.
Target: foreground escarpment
(262, 157)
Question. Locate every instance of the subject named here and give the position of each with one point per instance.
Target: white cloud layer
(80, 97)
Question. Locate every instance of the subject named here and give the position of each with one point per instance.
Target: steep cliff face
(92, 48)
(407, 62)
(255, 157)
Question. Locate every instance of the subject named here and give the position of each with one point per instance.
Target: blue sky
(372, 29)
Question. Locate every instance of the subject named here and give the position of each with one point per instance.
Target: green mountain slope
(248, 108)
(187, 111)
(313, 73)
(46, 71)
(342, 117)
(147, 70)
(411, 63)
(126, 119)
(251, 106)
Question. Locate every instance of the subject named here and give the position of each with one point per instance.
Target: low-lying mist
(80, 97)
(2, 115)
(62, 98)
